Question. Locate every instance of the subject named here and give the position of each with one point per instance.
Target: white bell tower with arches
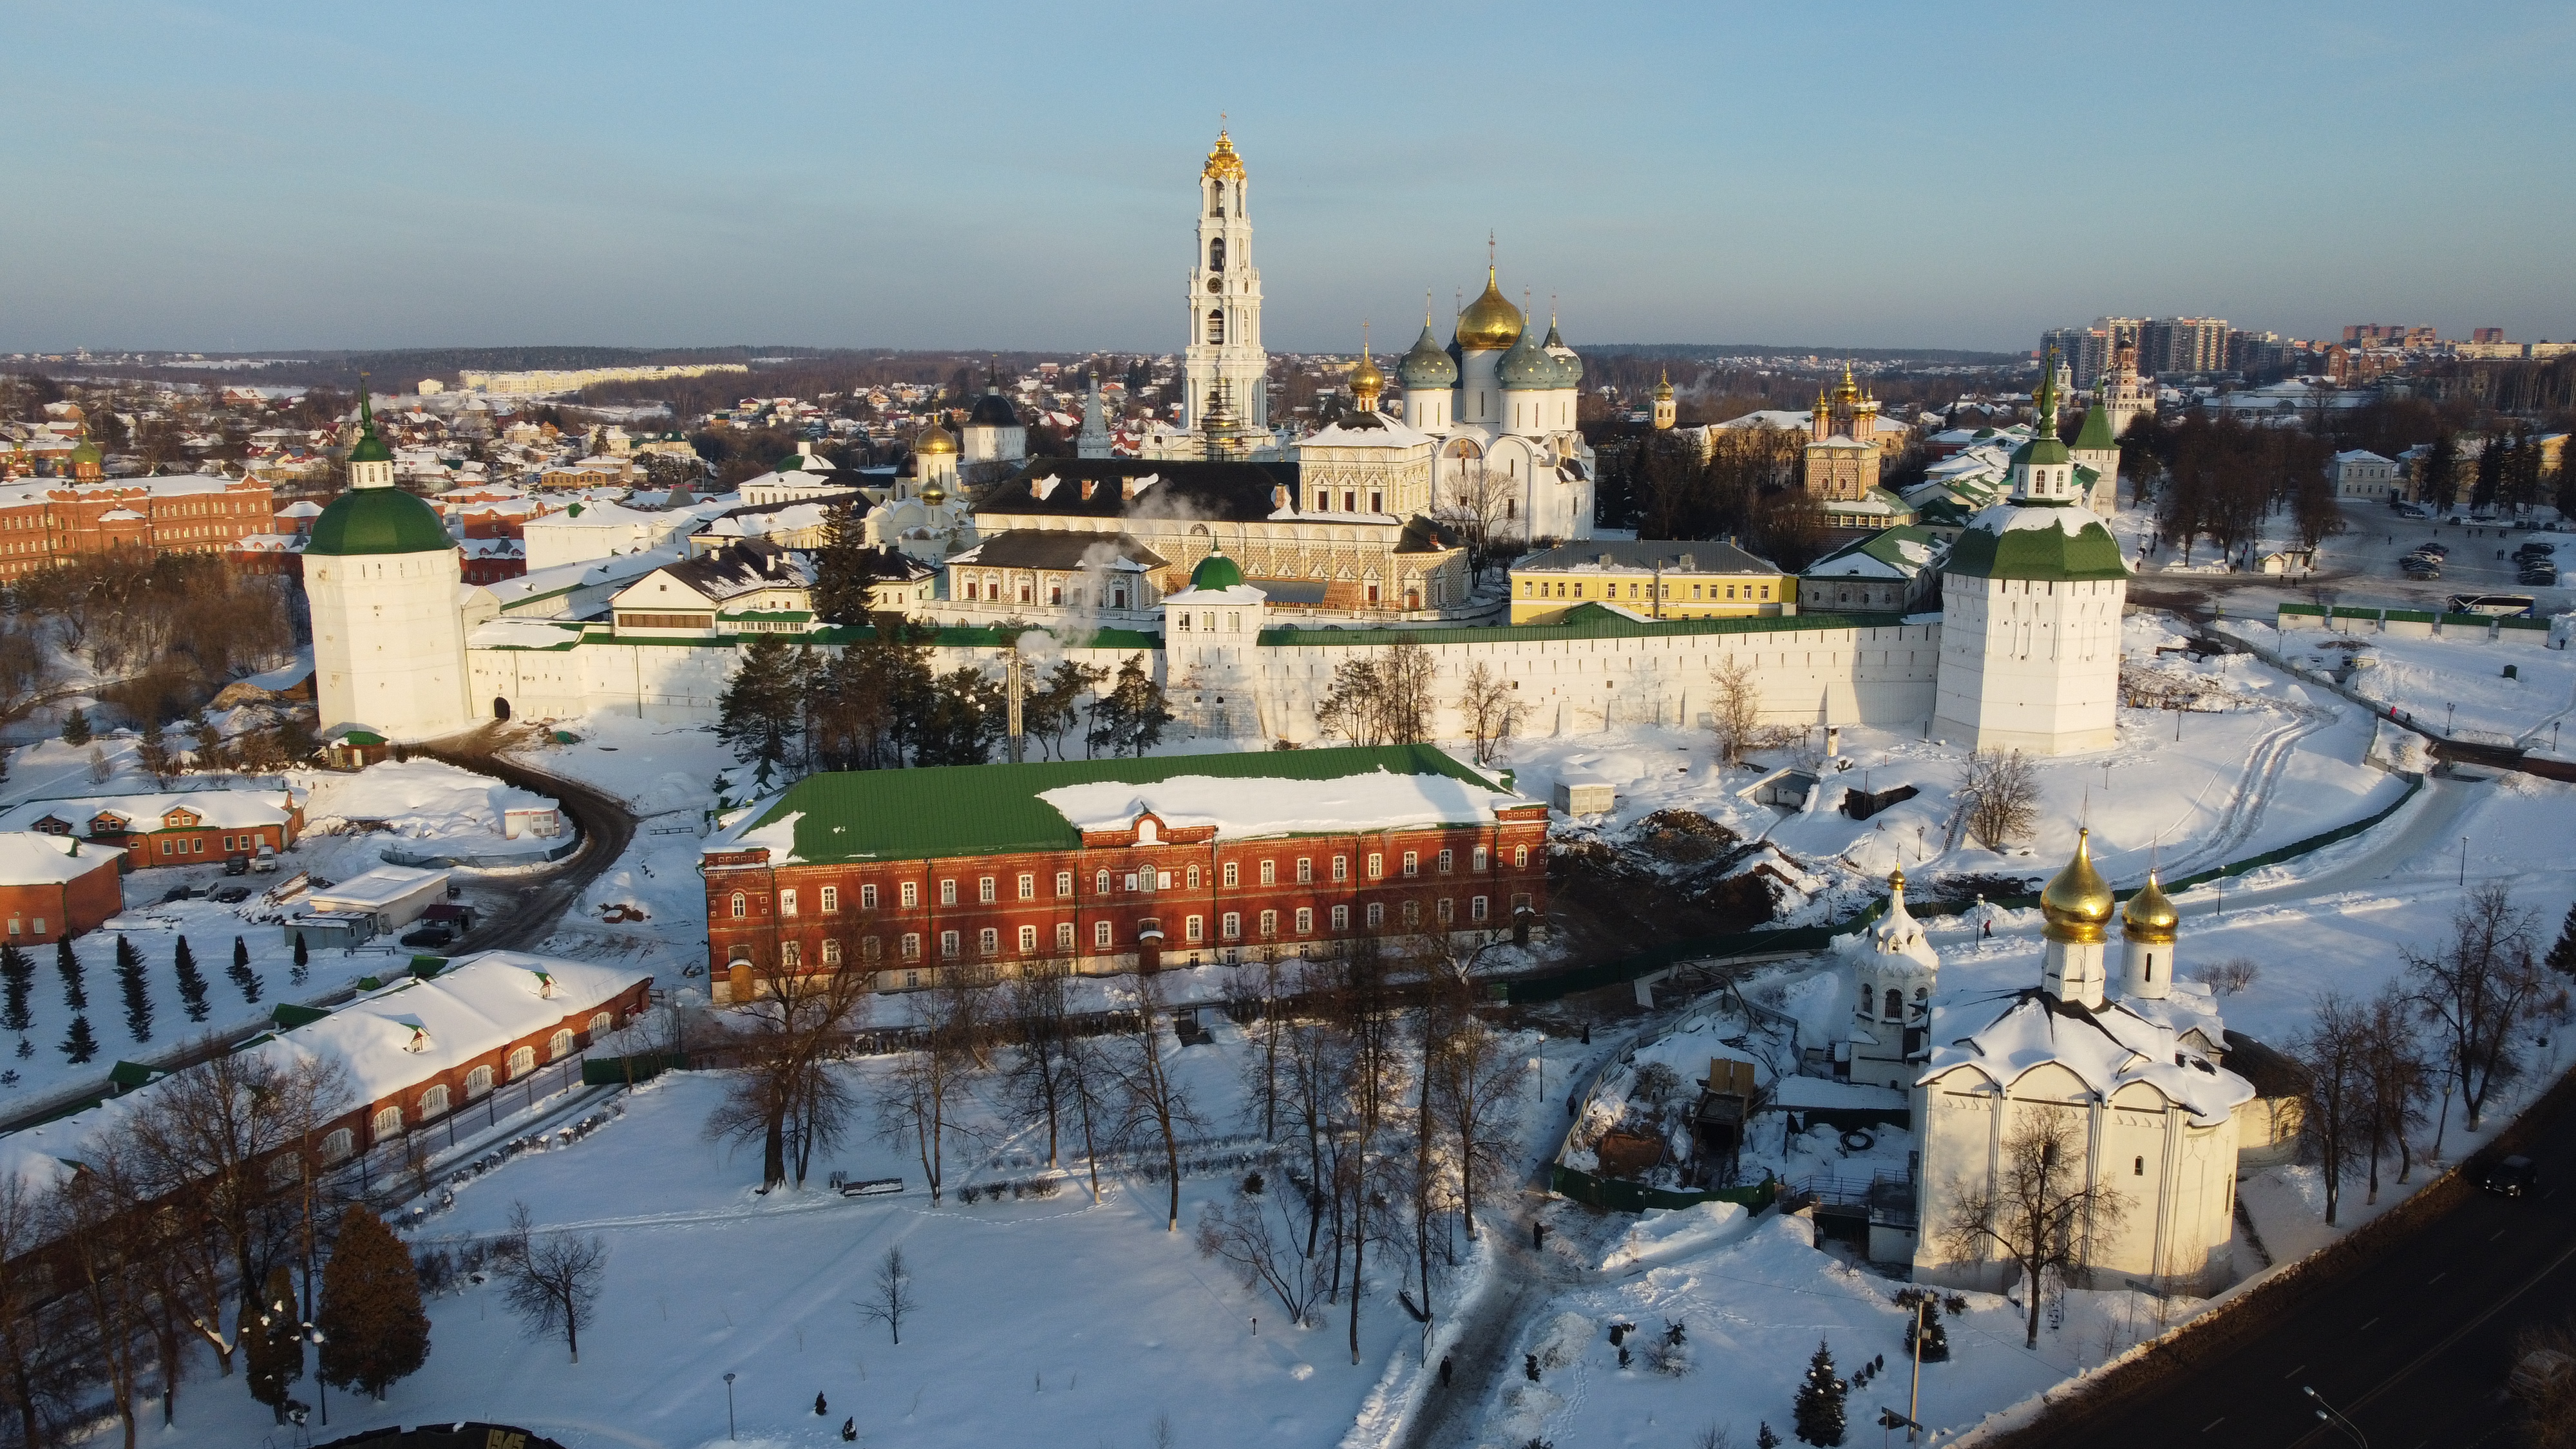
(1224, 352)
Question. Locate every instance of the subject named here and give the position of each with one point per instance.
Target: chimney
(1089, 486)
(1278, 499)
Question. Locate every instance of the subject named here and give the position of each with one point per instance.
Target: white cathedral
(2134, 1069)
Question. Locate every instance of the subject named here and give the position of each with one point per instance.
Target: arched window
(1216, 255)
(338, 1143)
(741, 905)
(601, 1025)
(388, 1123)
(1895, 1004)
(477, 1082)
(433, 1102)
(559, 1046)
(523, 1060)
(1216, 328)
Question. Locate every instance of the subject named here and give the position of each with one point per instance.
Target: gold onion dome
(2078, 903)
(1490, 323)
(1664, 387)
(2149, 916)
(1222, 163)
(1367, 378)
(935, 439)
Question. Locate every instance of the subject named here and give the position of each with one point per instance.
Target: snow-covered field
(2446, 683)
(1038, 1315)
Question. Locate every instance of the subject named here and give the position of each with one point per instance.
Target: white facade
(2360, 473)
(1225, 354)
(1895, 971)
(2136, 1083)
(384, 584)
(2031, 599)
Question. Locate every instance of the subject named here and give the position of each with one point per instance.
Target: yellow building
(1652, 579)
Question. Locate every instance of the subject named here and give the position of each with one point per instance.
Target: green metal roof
(1583, 621)
(1988, 550)
(2096, 432)
(371, 445)
(378, 520)
(992, 809)
(1216, 571)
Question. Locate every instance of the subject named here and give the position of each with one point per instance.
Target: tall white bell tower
(1225, 302)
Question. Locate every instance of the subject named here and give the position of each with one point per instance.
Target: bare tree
(1151, 1106)
(1493, 710)
(890, 1300)
(1256, 1232)
(1257, 990)
(208, 1142)
(2036, 1208)
(1478, 503)
(1734, 709)
(917, 1102)
(1035, 1086)
(1384, 700)
(2396, 1081)
(553, 1281)
(25, 1208)
(92, 1222)
(1476, 1088)
(2332, 1052)
(2000, 793)
(2476, 988)
(783, 1097)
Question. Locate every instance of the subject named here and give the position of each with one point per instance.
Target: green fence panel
(617, 1071)
(1613, 1195)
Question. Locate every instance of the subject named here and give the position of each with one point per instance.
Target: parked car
(2512, 1177)
(265, 863)
(237, 865)
(2437, 548)
(2537, 578)
(429, 936)
(178, 893)
(2413, 510)
(229, 895)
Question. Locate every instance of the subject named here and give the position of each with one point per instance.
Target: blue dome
(1426, 365)
(1527, 367)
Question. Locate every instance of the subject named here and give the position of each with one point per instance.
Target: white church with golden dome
(2132, 1069)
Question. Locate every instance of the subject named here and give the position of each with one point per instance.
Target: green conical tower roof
(2096, 432)
(2045, 447)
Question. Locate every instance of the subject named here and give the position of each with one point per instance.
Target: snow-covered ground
(421, 803)
(2450, 684)
(1755, 1295)
(1038, 1314)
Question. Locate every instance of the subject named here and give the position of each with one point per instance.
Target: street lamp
(2331, 1415)
(728, 1404)
(321, 1391)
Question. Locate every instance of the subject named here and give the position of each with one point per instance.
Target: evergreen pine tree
(80, 1046)
(76, 728)
(762, 706)
(17, 979)
(303, 958)
(68, 964)
(152, 750)
(1768, 1438)
(242, 976)
(2562, 957)
(138, 996)
(192, 982)
(1819, 1409)
(373, 1329)
(272, 1342)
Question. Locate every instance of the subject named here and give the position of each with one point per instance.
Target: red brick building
(1116, 865)
(44, 521)
(189, 828)
(51, 889)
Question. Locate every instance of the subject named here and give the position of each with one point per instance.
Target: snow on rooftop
(2107, 1048)
(384, 886)
(31, 857)
(1242, 809)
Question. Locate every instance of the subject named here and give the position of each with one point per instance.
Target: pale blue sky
(255, 175)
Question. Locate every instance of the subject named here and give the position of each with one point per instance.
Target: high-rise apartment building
(2182, 345)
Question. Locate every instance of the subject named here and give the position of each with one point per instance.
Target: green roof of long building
(946, 810)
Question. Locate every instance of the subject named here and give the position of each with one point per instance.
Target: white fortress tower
(1210, 632)
(2030, 613)
(1225, 303)
(2076, 907)
(1894, 973)
(382, 577)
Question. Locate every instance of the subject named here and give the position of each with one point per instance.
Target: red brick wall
(82, 905)
(67, 523)
(763, 929)
(361, 1121)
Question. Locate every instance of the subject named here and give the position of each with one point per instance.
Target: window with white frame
(1412, 863)
(477, 1082)
(911, 894)
(1270, 872)
(1341, 919)
(1448, 861)
(1475, 908)
(386, 1124)
(986, 891)
(787, 902)
(1064, 884)
(912, 945)
(867, 898)
(948, 893)
(988, 941)
(1376, 914)
(523, 1060)
(741, 905)
(559, 1046)
(1064, 935)
(1028, 940)
(338, 1143)
(1028, 886)
(831, 953)
(433, 1103)
(1100, 935)
(1232, 874)
(1269, 924)
(1194, 929)
(948, 944)
(831, 899)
